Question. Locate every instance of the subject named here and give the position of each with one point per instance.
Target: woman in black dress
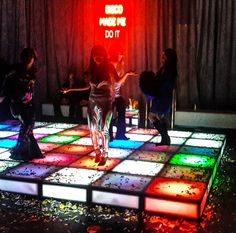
(19, 89)
(159, 89)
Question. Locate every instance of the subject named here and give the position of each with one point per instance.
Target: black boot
(162, 129)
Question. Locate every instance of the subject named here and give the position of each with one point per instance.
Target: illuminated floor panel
(173, 179)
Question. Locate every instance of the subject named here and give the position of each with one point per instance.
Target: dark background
(64, 31)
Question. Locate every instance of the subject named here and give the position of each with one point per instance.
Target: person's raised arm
(66, 90)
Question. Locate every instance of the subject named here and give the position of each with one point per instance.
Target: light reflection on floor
(159, 179)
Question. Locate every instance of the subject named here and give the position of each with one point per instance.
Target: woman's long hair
(171, 62)
(101, 72)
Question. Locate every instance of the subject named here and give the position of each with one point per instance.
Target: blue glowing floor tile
(125, 144)
(186, 173)
(152, 156)
(5, 165)
(117, 181)
(4, 126)
(31, 171)
(174, 140)
(152, 147)
(138, 167)
(7, 143)
(199, 150)
(75, 176)
(14, 128)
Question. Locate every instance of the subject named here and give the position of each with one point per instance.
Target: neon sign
(113, 20)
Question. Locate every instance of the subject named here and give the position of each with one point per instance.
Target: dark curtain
(64, 31)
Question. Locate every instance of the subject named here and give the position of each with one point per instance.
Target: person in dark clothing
(159, 89)
(119, 105)
(4, 105)
(19, 89)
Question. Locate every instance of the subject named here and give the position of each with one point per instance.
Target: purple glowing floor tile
(56, 159)
(117, 181)
(36, 136)
(31, 171)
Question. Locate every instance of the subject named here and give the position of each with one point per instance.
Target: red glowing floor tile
(56, 159)
(89, 163)
(176, 189)
(183, 198)
(44, 146)
(74, 149)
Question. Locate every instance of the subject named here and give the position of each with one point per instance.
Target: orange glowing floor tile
(89, 163)
(75, 132)
(74, 149)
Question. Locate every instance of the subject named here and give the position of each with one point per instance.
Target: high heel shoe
(103, 159)
(97, 156)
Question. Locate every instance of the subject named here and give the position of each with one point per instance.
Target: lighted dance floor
(173, 179)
